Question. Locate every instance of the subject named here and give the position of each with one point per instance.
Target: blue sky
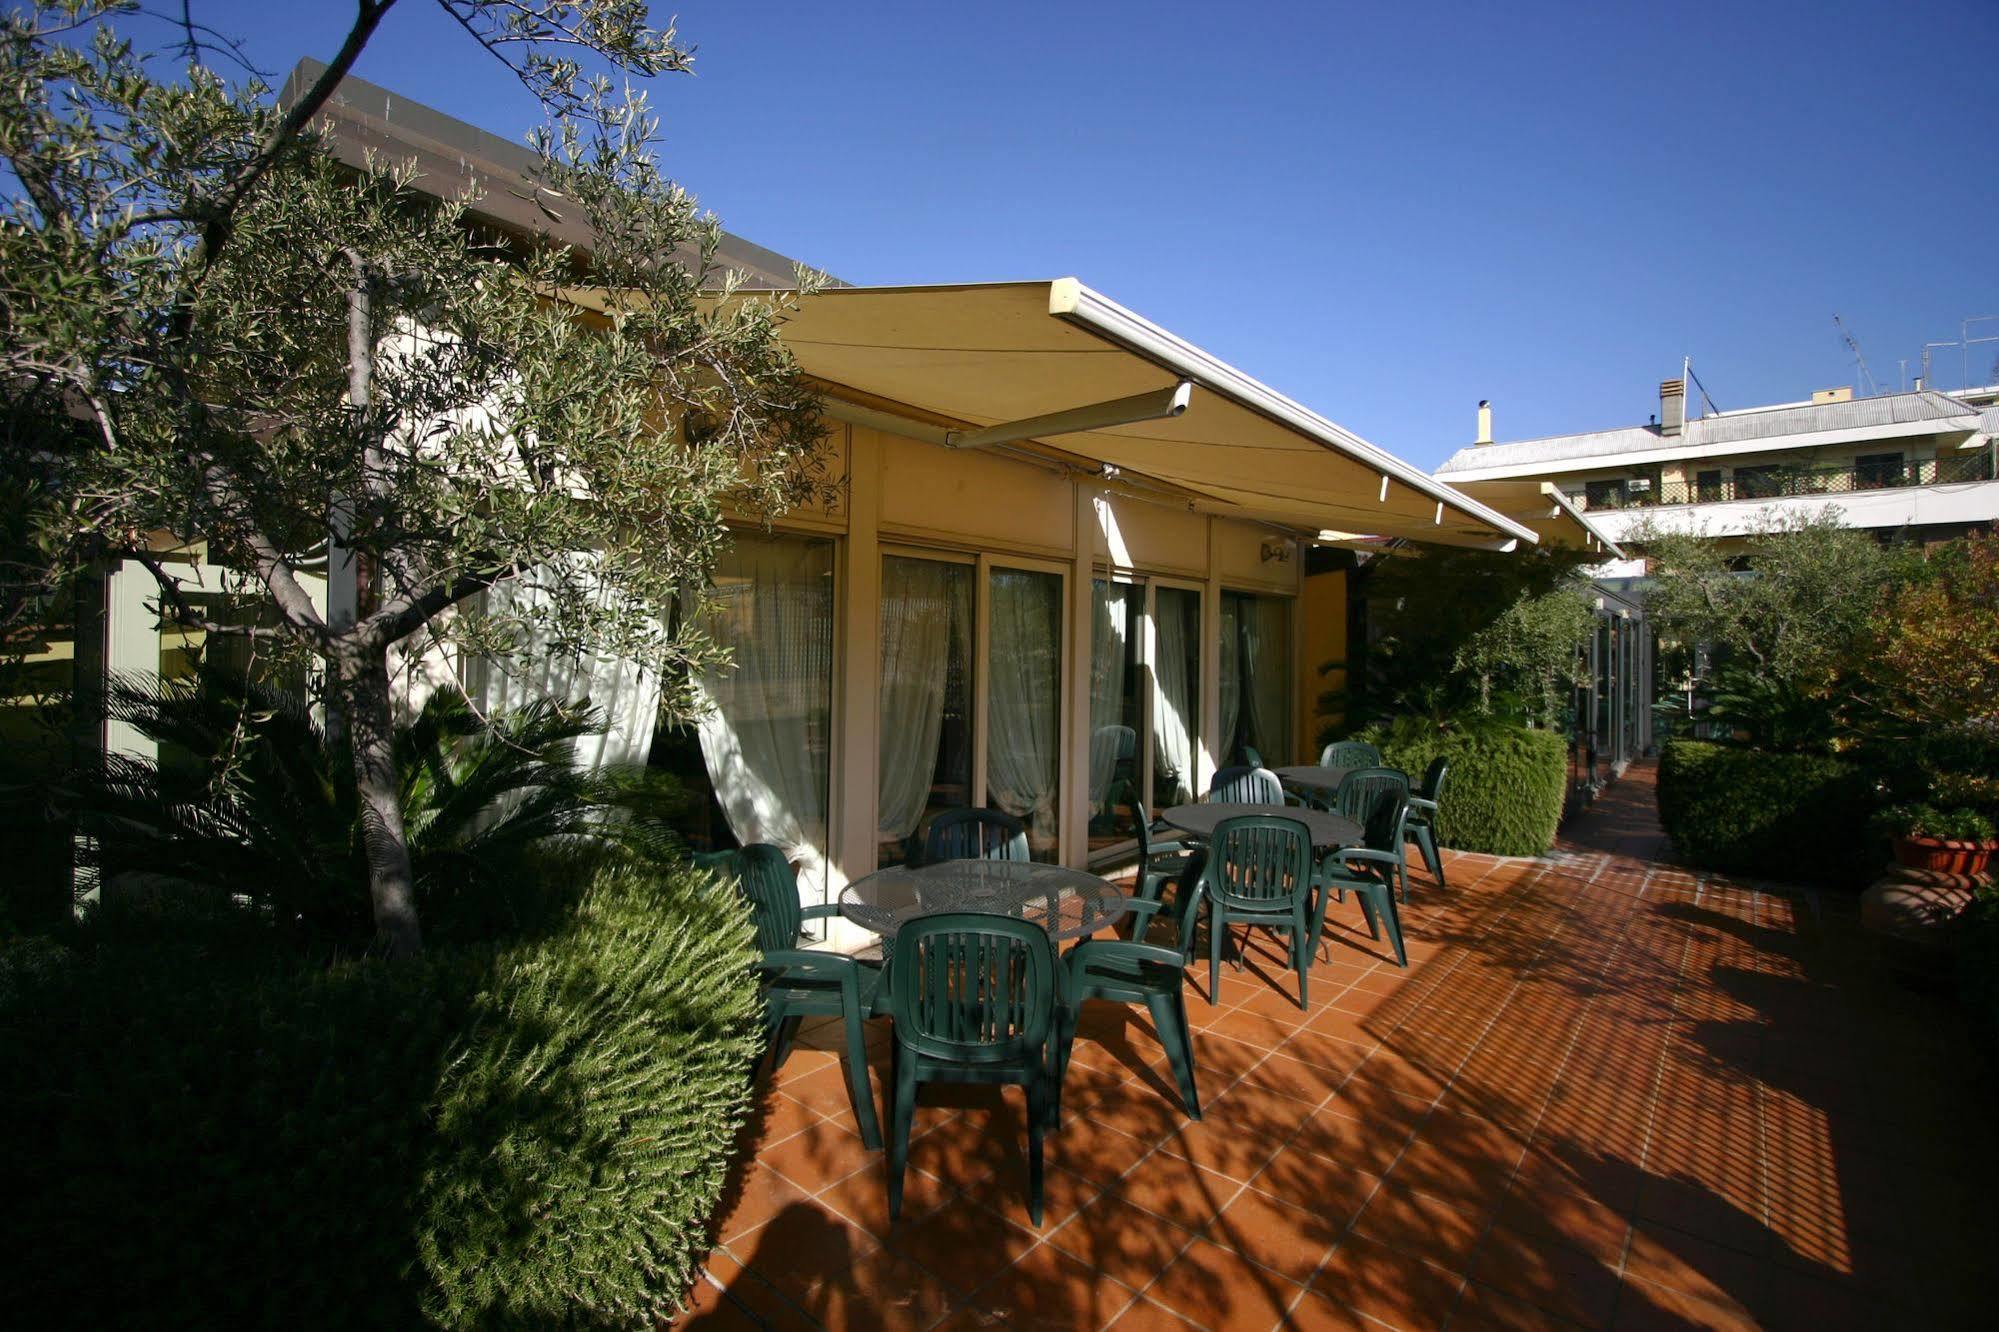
(1386, 211)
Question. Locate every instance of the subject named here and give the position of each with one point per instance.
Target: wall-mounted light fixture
(1278, 551)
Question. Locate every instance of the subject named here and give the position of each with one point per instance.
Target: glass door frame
(1065, 725)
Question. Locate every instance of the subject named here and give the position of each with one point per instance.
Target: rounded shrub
(531, 1133)
(1798, 818)
(1504, 794)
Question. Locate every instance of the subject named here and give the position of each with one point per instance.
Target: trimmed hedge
(1504, 795)
(533, 1133)
(1799, 818)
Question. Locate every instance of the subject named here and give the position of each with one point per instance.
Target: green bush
(1801, 818)
(1504, 794)
(531, 1133)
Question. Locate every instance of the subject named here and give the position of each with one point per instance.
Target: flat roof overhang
(1553, 514)
(937, 359)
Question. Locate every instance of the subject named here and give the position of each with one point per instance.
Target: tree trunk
(362, 674)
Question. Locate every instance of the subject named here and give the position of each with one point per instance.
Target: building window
(1603, 494)
(1116, 708)
(1024, 704)
(1176, 694)
(1877, 471)
(1766, 482)
(1707, 486)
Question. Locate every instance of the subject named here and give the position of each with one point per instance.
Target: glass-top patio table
(1067, 903)
(1327, 830)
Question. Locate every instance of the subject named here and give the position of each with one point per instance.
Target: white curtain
(925, 613)
(1267, 654)
(1024, 710)
(1110, 739)
(623, 690)
(1173, 702)
(765, 732)
(1231, 679)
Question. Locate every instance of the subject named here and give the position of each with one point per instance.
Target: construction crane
(1853, 345)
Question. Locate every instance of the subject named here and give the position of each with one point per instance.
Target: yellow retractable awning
(982, 355)
(1543, 506)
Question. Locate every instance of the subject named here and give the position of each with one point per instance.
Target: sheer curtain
(1267, 657)
(1024, 709)
(765, 737)
(1231, 678)
(1173, 701)
(925, 614)
(1110, 739)
(623, 690)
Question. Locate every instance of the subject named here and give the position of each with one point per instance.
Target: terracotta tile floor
(1607, 1092)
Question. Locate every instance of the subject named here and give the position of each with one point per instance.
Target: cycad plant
(250, 803)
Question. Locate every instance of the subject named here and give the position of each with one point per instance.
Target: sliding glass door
(1176, 694)
(1024, 702)
(926, 699)
(1117, 708)
(758, 759)
(1256, 679)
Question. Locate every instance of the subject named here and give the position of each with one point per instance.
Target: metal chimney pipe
(1484, 422)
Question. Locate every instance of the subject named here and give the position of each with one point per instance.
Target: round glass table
(1067, 903)
(1327, 830)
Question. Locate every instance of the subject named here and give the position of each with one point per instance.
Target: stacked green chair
(1242, 785)
(1378, 800)
(975, 834)
(1349, 754)
(1421, 823)
(801, 982)
(1259, 874)
(1132, 971)
(974, 997)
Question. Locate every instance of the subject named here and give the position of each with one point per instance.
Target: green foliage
(1506, 787)
(1920, 820)
(1441, 621)
(526, 1134)
(217, 333)
(1788, 620)
(250, 800)
(1532, 646)
(1798, 818)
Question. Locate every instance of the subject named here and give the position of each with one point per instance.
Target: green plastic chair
(802, 982)
(1132, 971)
(1259, 874)
(974, 998)
(1349, 754)
(1378, 801)
(1420, 823)
(1161, 862)
(975, 834)
(1358, 798)
(1243, 785)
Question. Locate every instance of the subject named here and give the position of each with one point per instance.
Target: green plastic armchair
(1132, 971)
(975, 834)
(1421, 823)
(1349, 754)
(804, 982)
(1259, 874)
(1245, 786)
(974, 998)
(1377, 799)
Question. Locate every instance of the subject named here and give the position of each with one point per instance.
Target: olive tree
(217, 333)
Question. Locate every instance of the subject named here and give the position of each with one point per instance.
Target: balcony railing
(1777, 482)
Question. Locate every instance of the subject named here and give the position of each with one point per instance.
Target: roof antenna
(1853, 345)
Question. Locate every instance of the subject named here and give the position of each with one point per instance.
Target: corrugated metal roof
(1881, 413)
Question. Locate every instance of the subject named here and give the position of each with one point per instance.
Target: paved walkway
(1607, 1093)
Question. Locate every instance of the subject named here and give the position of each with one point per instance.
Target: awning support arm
(1151, 406)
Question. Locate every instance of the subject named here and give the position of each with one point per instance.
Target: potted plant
(1948, 841)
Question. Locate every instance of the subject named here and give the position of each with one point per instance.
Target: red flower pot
(1945, 855)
